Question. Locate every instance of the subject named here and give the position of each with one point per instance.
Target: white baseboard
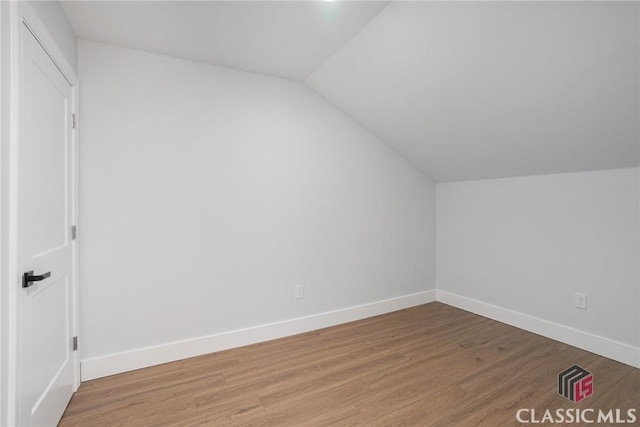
(149, 356)
(596, 344)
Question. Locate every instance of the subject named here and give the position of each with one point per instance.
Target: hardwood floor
(432, 365)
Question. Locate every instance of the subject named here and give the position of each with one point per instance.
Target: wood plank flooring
(432, 365)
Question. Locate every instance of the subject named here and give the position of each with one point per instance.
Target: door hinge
(75, 343)
(74, 121)
(74, 232)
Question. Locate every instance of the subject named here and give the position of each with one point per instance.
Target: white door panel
(45, 362)
(49, 218)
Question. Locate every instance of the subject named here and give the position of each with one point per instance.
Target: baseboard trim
(116, 363)
(594, 343)
(149, 356)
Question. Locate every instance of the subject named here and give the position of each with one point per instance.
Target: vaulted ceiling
(281, 38)
(464, 90)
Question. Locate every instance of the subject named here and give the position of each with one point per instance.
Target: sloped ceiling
(281, 38)
(484, 90)
(464, 90)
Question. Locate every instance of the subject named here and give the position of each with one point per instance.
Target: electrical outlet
(581, 301)
(299, 292)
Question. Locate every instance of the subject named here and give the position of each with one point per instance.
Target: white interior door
(46, 366)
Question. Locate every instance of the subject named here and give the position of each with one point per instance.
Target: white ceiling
(483, 90)
(280, 38)
(464, 90)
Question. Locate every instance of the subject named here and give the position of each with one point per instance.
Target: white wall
(4, 137)
(56, 22)
(528, 244)
(208, 194)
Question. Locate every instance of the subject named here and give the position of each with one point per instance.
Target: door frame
(19, 14)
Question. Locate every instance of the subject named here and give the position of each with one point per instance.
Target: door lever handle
(28, 278)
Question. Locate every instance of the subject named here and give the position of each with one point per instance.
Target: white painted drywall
(207, 195)
(528, 244)
(55, 20)
(4, 138)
